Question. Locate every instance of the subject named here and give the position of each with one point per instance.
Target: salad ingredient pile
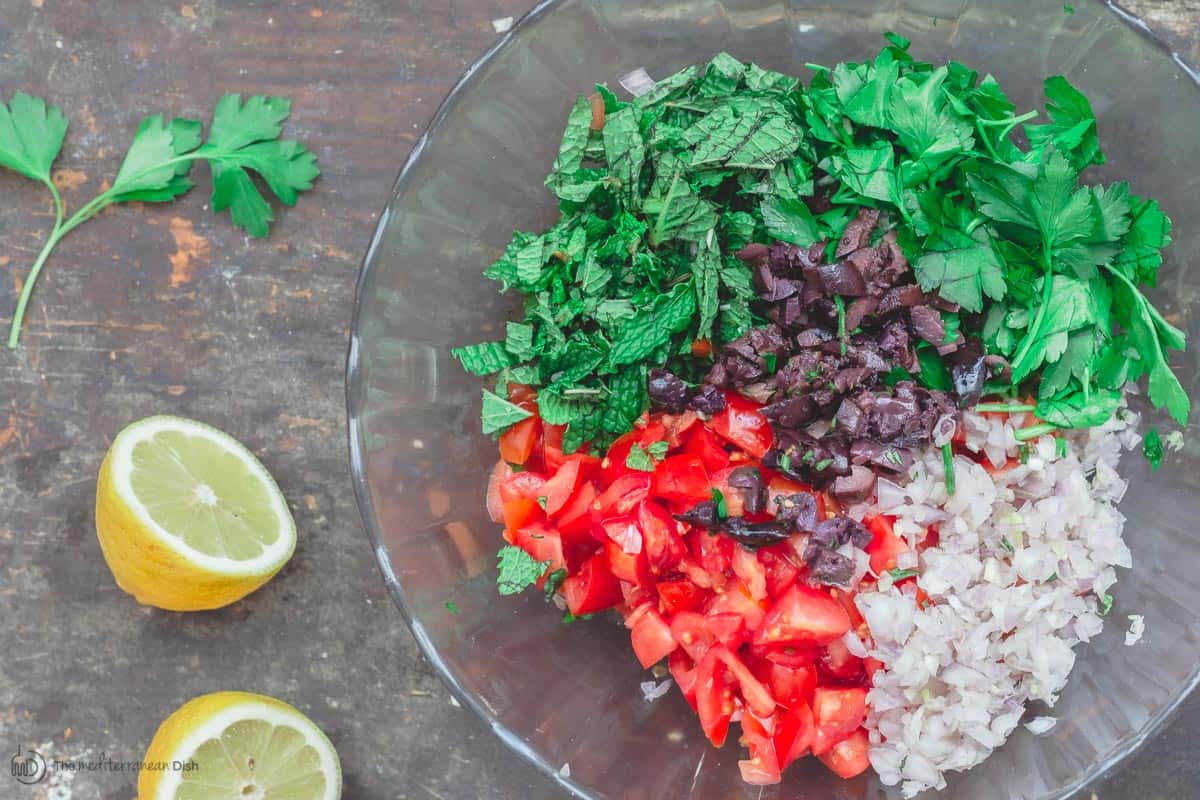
(823, 388)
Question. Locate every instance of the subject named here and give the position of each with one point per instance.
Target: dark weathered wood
(170, 309)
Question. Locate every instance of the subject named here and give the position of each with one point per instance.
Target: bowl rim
(355, 396)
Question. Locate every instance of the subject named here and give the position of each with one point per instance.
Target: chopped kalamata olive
(969, 371)
(799, 510)
(927, 322)
(840, 328)
(753, 535)
(831, 568)
(792, 412)
(833, 533)
(668, 391)
(748, 480)
(859, 483)
(702, 515)
(857, 232)
(709, 400)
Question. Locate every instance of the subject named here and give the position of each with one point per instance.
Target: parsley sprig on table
(242, 139)
(658, 193)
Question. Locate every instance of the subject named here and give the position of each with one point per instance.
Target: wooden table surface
(170, 309)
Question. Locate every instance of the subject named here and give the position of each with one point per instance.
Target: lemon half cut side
(188, 519)
(239, 746)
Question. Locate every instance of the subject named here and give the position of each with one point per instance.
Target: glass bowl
(568, 694)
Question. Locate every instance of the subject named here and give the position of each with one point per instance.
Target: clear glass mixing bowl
(568, 694)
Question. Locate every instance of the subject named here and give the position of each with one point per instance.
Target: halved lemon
(187, 517)
(239, 746)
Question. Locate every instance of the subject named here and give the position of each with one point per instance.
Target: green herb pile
(242, 139)
(986, 203)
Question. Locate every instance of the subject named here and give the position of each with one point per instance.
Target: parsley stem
(1035, 328)
(1003, 408)
(61, 229)
(1008, 120)
(14, 331)
(1034, 431)
(948, 467)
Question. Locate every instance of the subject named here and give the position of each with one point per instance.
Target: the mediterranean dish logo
(30, 767)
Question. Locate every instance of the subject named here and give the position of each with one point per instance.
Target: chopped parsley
(1106, 603)
(452, 607)
(948, 465)
(901, 574)
(719, 499)
(1152, 449)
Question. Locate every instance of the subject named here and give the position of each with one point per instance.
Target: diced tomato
(762, 768)
(651, 430)
(629, 567)
(613, 464)
(652, 639)
(576, 517)
(676, 425)
(790, 655)
(623, 494)
(683, 670)
(714, 699)
(664, 546)
(697, 575)
(690, 630)
(727, 629)
(552, 439)
(543, 543)
(790, 686)
(846, 599)
(781, 572)
(871, 666)
(752, 572)
(561, 485)
(625, 532)
(495, 506)
(803, 614)
(736, 600)
(756, 696)
(518, 495)
(714, 554)
(851, 756)
(837, 713)
(593, 588)
(701, 348)
(682, 478)
(526, 484)
(885, 545)
(705, 445)
(741, 424)
(794, 731)
(680, 595)
(517, 442)
(840, 664)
